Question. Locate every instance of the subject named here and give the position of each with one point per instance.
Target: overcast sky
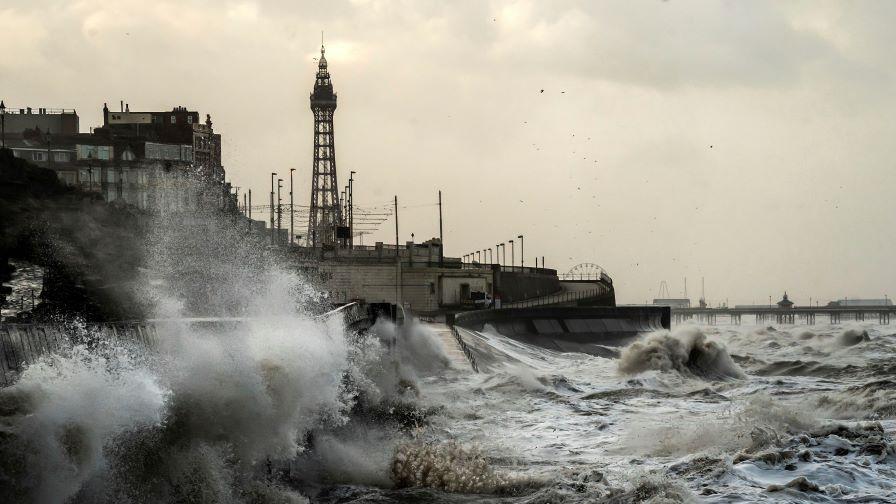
(750, 143)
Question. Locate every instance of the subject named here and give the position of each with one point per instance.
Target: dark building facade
(157, 161)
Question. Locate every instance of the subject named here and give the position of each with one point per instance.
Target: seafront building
(163, 161)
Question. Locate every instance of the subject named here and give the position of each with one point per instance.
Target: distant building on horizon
(861, 302)
(673, 302)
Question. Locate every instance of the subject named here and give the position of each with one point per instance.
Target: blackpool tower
(324, 216)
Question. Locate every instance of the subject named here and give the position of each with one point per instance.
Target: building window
(61, 157)
(69, 178)
(38, 156)
(173, 120)
(190, 119)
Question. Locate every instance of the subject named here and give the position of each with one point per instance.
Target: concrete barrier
(571, 329)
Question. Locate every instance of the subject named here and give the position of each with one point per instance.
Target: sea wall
(530, 283)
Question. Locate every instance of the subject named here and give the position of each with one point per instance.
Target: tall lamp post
(291, 210)
(3, 122)
(512, 260)
(279, 208)
(351, 210)
(273, 176)
(522, 252)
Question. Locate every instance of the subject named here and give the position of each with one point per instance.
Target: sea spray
(62, 412)
(446, 466)
(852, 337)
(686, 351)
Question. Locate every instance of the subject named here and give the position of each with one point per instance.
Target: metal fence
(560, 298)
(465, 349)
(23, 344)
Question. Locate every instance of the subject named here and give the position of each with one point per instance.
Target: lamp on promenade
(273, 176)
(3, 123)
(279, 208)
(291, 213)
(522, 252)
(512, 260)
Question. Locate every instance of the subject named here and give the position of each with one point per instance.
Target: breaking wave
(852, 337)
(450, 467)
(686, 351)
(873, 400)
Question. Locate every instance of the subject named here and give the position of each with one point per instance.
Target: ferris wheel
(587, 271)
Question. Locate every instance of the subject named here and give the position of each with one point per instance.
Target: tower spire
(325, 211)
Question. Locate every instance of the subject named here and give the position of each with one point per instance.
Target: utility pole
(351, 210)
(396, 226)
(441, 238)
(273, 175)
(522, 252)
(291, 209)
(397, 258)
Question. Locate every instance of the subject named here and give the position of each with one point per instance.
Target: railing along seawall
(24, 344)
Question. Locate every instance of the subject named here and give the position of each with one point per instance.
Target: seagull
(542, 91)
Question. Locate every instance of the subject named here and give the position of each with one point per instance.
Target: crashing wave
(450, 467)
(686, 351)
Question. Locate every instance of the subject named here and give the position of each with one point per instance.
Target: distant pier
(794, 315)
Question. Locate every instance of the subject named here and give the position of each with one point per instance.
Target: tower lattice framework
(325, 212)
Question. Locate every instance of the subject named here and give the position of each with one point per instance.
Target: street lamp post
(291, 210)
(279, 207)
(273, 176)
(522, 252)
(351, 210)
(491, 256)
(3, 123)
(512, 260)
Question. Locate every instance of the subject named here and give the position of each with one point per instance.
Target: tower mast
(325, 211)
